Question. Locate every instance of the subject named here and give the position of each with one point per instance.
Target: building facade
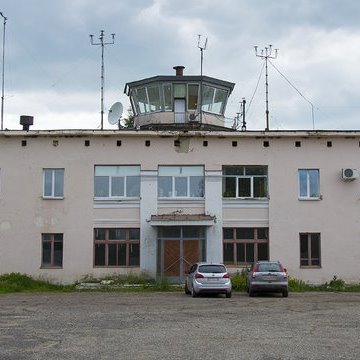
(165, 194)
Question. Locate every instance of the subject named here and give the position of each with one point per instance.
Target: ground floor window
(116, 247)
(52, 250)
(310, 250)
(244, 246)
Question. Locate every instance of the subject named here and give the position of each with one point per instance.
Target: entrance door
(179, 110)
(178, 255)
(190, 254)
(171, 258)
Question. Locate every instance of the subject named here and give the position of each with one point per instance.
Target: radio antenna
(102, 43)
(202, 47)
(266, 54)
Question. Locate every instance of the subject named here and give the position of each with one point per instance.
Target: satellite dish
(115, 113)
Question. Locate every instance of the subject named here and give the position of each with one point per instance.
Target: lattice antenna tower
(202, 47)
(265, 54)
(102, 43)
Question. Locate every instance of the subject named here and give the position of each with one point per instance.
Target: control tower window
(193, 94)
(179, 91)
(154, 98)
(167, 88)
(214, 100)
(142, 101)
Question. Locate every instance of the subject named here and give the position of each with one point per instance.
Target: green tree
(128, 120)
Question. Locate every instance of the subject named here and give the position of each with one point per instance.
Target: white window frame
(170, 171)
(308, 195)
(251, 177)
(134, 170)
(53, 173)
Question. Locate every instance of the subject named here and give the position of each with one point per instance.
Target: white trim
(242, 203)
(181, 223)
(117, 222)
(245, 222)
(116, 204)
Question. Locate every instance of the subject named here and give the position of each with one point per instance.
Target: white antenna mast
(266, 54)
(202, 47)
(102, 43)
(3, 72)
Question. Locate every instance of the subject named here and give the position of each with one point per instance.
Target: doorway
(179, 110)
(179, 247)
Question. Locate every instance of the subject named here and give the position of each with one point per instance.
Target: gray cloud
(53, 72)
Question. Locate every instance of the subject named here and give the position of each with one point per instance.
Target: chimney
(26, 121)
(179, 70)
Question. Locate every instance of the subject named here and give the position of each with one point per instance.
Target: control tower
(179, 101)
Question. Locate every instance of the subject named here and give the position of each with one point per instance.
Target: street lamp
(3, 73)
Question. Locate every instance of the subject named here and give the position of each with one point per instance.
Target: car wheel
(251, 293)
(193, 292)
(187, 291)
(285, 293)
(228, 294)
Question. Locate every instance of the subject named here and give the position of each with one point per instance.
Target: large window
(52, 250)
(53, 183)
(117, 181)
(245, 181)
(309, 184)
(310, 250)
(245, 245)
(181, 181)
(214, 99)
(160, 97)
(116, 247)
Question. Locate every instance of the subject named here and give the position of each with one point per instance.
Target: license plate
(212, 280)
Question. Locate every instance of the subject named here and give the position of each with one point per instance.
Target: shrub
(238, 280)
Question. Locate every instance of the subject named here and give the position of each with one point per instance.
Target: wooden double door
(178, 248)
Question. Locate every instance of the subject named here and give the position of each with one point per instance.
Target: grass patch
(16, 282)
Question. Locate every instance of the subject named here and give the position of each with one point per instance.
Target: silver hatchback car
(267, 276)
(206, 277)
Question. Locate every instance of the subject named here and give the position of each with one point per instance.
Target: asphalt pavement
(151, 325)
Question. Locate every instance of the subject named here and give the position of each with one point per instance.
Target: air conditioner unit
(350, 174)
(193, 117)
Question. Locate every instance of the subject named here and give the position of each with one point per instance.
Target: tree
(128, 120)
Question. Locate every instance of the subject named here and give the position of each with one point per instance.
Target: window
(214, 99)
(181, 181)
(245, 245)
(53, 183)
(193, 90)
(310, 250)
(309, 184)
(117, 181)
(116, 247)
(52, 250)
(245, 182)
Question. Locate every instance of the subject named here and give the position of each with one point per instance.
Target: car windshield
(271, 267)
(217, 269)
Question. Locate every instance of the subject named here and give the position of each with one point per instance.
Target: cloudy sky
(52, 72)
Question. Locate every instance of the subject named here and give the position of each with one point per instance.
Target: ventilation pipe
(179, 70)
(26, 121)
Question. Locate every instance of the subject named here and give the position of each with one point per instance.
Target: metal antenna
(3, 73)
(266, 54)
(202, 47)
(102, 43)
(237, 117)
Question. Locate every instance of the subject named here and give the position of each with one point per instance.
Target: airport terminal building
(176, 188)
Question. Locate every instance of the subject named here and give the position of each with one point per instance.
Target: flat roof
(180, 79)
(181, 132)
